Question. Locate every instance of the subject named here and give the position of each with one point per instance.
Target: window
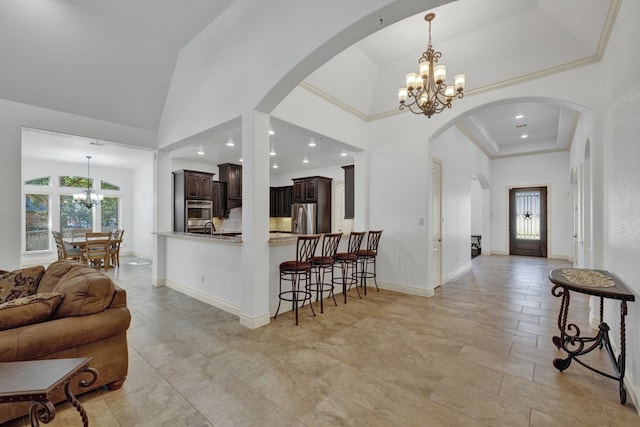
(74, 216)
(36, 222)
(43, 181)
(75, 181)
(109, 212)
(528, 215)
(104, 185)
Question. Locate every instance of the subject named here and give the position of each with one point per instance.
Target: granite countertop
(227, 237)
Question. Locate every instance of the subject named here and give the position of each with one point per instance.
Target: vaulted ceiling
(113, 60)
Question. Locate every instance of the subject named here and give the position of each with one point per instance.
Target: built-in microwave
(198, 213)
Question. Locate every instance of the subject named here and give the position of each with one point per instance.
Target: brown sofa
(76, 312)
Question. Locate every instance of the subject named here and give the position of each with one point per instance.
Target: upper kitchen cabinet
(310, 189)
(280, 201)
(192, 185)
(232, 175)
(219, 192)
(348, 192)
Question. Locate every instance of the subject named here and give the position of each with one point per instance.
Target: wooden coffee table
(37, 380)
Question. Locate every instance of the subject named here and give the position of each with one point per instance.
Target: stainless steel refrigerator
(303, 218)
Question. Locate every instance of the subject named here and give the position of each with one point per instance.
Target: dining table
(80, 242)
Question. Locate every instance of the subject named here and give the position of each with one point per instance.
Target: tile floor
(478, 353)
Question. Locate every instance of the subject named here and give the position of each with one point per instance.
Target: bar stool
(321, 264)
(295, 271)
(367, 257)
(349, 260)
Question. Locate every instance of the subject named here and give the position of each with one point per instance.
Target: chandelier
(88, 198)
(426, 90)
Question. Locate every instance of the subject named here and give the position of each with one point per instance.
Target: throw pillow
(20, 283)
(28, 310)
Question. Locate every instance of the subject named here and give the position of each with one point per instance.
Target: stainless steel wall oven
(197, 214)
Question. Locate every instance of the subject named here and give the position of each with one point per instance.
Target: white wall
(476, 207)
(550, 170)
(461, 159)
(621, 152)
(143, 207)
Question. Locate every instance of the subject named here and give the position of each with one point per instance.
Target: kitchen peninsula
(209, 267)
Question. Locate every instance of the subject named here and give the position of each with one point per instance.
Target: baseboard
(254, 322)
(405, 289)
(207, 299)
(461, 270)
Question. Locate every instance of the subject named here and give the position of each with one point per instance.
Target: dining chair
(65, 251)
(367, 258)
(323, 264)
(96, 250)
(348, 261)
(296, 271)
(114, 249)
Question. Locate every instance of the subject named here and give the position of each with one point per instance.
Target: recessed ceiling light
(312, 143)
(240, 159)
(200, 153)
(519, 116)
(305, 160)
(230, 143)
(343, 154)
(524, 135)
(275, 166)
(272, 152)
(271, 132)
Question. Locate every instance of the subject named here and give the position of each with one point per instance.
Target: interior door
(528, 221)
(436, 220)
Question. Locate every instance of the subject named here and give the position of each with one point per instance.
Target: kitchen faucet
(213, 227)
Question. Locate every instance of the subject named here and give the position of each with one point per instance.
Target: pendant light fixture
(426, 91)
(88, 198)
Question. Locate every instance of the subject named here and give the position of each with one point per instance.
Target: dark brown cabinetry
(192, 199)
(232, 175)
(315, 189)
(219, 193)
(280, 199)
(311, 189)
(192, 185)
(348, 192)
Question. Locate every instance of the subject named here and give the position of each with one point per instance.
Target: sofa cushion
(86, 291)
(28, 310)
(20, 283)
(55, 272)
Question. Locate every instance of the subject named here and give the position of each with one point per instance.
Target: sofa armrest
(119, 298)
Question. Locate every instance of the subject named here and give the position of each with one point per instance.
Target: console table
(602, 284)
(36, 380)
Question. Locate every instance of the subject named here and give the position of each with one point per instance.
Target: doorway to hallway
(528, 221)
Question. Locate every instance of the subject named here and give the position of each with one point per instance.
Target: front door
(528, 221)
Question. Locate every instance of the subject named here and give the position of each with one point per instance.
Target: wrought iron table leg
(562, 315)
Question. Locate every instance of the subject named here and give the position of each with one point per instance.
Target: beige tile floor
(478, 353)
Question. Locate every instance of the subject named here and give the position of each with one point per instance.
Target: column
(254, 311)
